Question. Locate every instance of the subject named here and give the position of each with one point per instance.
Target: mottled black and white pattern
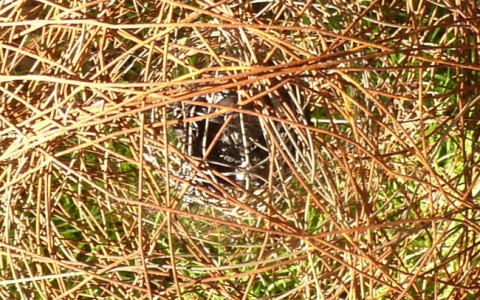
(239, 151)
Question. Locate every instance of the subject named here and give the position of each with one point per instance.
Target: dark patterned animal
(240, 152)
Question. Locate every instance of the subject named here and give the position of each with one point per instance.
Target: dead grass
(381, 200)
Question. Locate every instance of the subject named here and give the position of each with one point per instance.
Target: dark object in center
(240, 152)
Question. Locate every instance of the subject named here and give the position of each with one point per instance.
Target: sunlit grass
(378, 199)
